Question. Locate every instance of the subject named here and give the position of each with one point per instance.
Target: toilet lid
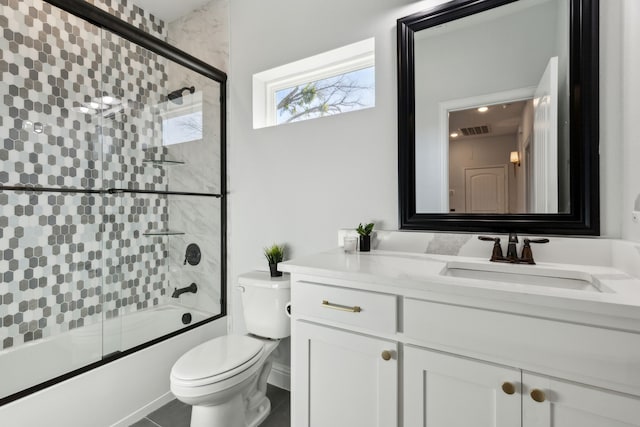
(216, 357)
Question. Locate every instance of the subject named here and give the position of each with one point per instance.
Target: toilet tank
(264, 300)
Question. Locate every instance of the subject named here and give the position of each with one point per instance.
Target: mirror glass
(499, 85)
(498, 122)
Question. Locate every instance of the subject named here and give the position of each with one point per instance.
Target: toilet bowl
(225, 379)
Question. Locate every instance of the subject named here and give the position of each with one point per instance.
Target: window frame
(354, 57)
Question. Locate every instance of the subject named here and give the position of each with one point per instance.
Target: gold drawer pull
(386, 355)
(538, 395)
(354, 309)
(508, 388)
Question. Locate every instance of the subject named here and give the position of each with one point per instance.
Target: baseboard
(145, 410)
(280, 376)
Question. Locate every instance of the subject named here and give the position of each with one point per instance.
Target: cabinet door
(444, 390)
(340, 379)
(566, 404)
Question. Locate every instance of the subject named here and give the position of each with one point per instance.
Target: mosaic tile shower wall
(135, 264)
(65, 258)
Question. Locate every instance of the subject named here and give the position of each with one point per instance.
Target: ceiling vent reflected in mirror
(475, 130)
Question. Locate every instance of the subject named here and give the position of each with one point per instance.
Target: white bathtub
(125, 332)
(33, 363)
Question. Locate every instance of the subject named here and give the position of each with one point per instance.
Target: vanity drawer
(586, 354)
(368, 310)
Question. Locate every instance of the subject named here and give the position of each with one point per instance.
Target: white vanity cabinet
(490, 387)
(569, 404)
(377, 355)
(340, 377)
(446, 390)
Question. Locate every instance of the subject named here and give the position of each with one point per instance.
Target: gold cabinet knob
(538, 395)
(508, 388)
(386, 355)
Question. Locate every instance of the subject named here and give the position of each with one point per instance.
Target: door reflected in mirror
(503, 158)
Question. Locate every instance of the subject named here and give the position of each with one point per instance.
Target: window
(182, 119)
(333, 82)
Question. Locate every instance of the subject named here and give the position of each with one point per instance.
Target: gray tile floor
(177, 414)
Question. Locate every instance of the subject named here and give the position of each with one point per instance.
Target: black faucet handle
(527, 253)
(527, 241)
(496, 254)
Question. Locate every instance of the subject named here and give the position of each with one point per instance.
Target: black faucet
(191, 288)
(512, 249)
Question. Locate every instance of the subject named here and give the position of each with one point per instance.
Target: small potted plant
(365, 236)
(274, 255)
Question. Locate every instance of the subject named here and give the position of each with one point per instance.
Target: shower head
(176, 95)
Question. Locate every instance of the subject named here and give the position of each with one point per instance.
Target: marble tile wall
(204, 34)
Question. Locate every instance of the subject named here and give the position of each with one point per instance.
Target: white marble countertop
(416, 275)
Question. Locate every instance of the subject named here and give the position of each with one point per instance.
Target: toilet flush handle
(240, 288)
(287, 309)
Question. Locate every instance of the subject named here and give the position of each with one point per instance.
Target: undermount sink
(525, 275)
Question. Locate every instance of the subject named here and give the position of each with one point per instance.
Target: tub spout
(192, 288)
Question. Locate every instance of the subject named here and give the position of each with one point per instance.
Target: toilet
(225, 379)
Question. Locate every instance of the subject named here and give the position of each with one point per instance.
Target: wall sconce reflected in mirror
(514, 158)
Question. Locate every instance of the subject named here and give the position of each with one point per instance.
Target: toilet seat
(217, 360)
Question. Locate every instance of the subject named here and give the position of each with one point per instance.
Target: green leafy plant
(274, 253)
(365, 230)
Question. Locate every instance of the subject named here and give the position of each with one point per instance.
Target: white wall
(299, 183)
(611, 179)
(631, 113)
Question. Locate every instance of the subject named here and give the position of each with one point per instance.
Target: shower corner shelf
(163, 233)
(163, 162)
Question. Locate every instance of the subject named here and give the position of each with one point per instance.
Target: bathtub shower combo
(112, 208)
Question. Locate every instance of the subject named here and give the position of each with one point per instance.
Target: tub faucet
(192, 288)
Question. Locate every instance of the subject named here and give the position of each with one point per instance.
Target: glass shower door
(111, 213)
(162, 168)
(50, 253)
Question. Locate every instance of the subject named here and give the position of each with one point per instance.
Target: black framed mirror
(498, 117)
